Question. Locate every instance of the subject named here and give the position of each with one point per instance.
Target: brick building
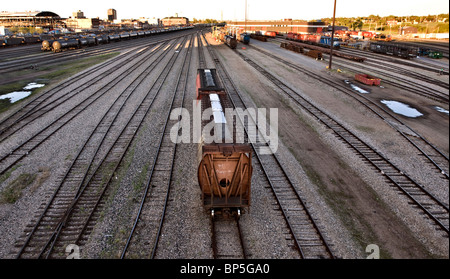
(175, 21)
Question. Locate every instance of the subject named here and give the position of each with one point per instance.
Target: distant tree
(357, 24)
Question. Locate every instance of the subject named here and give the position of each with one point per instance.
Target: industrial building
(175, 20)
(82, 23)
(112, 14)
(282, 26)
(38, 19)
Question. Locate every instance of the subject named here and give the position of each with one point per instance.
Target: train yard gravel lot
(351, 202)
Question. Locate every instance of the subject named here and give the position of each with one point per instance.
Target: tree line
(424, 24)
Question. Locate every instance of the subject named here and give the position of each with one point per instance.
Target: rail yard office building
(281, 26)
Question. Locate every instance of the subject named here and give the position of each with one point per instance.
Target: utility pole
(245, 29)
(332, 36)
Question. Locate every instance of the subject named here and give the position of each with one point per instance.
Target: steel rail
(84, 52)
(298, 241)
(387, 168)
(76, 78)
(38, 138)
(117, 144)
(443, 169)
(228, 238)
(32, 110)
(80, 187)
(147, 189)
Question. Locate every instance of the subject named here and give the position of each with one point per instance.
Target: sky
(233, 9)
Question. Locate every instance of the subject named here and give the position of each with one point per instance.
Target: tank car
(133, 35)
(225, 166)
(102, 39)
(114, 37)
(47, 45)
(125, 36)
(87, 41)
(13, 41)
(31, 39)
(60, 45)
(230, 41)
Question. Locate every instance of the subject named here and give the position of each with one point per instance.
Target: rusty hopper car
(225, 167)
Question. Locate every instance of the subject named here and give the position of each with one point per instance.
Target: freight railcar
(244, 38)
(12, 41)
(92, 40)
(230, 41)
(60, 45)
(394, 49)
(271, 34)
(47, 45)
(31, 39)
(314, 39)
(225, 166)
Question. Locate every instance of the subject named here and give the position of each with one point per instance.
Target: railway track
(17, 153)
(431, 153)
(226, 234)
(46, 58)
(401, 82)
(388, 78)
(437, 211)
(49, 58)
(307, 236)
(227, 238)
(372, 56)
(149, 220)
(73, 210)
(423, 65)
(43, 103)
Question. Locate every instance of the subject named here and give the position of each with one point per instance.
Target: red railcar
(369, 80)
(271, 34)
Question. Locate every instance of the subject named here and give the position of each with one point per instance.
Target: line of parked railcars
(314, 39)
(225, 165)
(223, 35)
(17, 41)
(75, 42)
(394, 49)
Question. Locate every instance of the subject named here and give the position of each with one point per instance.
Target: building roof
(175, 17)
(30, 14)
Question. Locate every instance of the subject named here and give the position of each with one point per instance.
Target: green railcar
(435, 54)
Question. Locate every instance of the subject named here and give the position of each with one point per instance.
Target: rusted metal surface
(366, 79)
(225, 165)
(224, 175)
(327, 51)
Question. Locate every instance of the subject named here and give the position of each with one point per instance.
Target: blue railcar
(326, 41)
(244, 38)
